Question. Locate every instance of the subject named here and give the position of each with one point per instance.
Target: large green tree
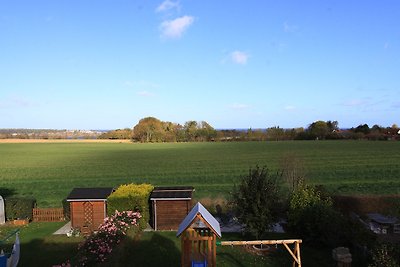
(149, 129)
(319, 129)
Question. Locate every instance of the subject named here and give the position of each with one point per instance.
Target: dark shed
(170, 205)
(88, 207)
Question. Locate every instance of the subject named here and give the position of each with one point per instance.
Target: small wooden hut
(169, 206)
(199, 231)
(88, 207)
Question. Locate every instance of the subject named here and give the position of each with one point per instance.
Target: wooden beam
(295, 254)
(291, 253)
(259, 242)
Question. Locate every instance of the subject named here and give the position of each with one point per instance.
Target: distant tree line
(151, 129)
(48, 134)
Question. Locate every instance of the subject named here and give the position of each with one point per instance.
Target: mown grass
(163, 249)
(38, 246)
(48, 171)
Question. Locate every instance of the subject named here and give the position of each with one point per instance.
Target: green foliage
(256, 200)
(385, 255)
(131, 197)
(67, 209)
(312, 217)
(117, 134)
(19, 208)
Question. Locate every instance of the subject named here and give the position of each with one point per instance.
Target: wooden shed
(88, 207)
(170, 205)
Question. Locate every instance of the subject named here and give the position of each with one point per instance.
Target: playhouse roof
(199, 210)
(90, 193)
(172, 193)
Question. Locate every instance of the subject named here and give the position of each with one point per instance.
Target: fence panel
(48, 215)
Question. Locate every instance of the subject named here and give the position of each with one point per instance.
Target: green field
(48, 171)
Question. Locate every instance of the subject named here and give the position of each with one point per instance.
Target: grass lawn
(39, 247)
(48, 171)
(163, 249)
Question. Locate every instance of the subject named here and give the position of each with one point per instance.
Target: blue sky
(102, 64)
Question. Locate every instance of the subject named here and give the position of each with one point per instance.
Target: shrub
(19, 207)
(66, 209)
(385, 255)
(99, 245)
(131, 197)
(256, 201)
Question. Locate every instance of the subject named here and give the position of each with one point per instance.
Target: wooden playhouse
(169, 206)
(88, 207)
(199, 231)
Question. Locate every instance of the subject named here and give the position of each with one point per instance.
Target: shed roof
(90, 193)
(172, 193)
(199, 209)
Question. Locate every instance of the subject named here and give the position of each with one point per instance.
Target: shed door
(87, 213)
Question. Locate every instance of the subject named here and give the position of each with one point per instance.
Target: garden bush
(19, 207)
(131, 197)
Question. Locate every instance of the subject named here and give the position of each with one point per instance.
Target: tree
(256, 200)
(149, 129)
(319, 129)
(191, 130)
(275, 133)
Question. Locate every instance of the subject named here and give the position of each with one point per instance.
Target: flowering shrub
(100, 244)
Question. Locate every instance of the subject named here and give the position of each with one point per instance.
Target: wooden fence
(48, 215)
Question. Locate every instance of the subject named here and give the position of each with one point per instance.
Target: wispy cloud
(290, 28)
(173, 29)
(146, 94)
(289, 108)
(239, 57)
(16, 102)
(396, 105)
(168, 5)
(238, 106)
(355, 103)
(386, 45)
(141, 83)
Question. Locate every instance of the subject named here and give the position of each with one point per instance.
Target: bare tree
(293, 171)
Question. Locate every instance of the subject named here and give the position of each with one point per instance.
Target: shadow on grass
(6, 192)
(153, 250)
(40, 253)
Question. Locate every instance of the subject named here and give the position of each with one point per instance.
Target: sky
(105, 64)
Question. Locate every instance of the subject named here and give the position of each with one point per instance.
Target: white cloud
(239, 106)
(175, 28)
(167, 5)
(146, 94)
(290, 27)
(239, 57)
(289, 107)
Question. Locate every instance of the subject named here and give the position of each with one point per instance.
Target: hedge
(133, 197)
(19, 207)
